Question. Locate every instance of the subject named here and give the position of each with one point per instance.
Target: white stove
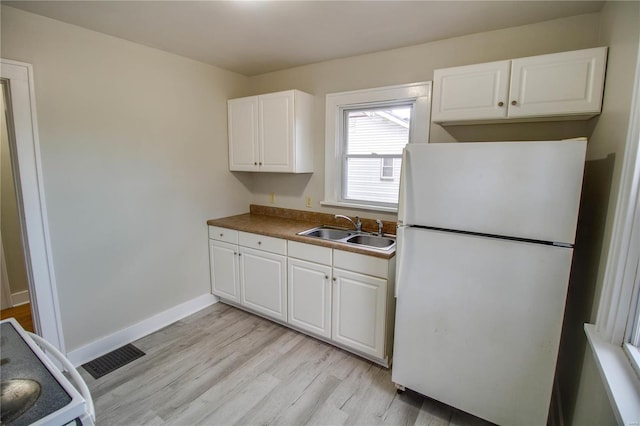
(34, 391)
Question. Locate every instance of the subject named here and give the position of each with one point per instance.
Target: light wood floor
(21, 313)
(223, 366)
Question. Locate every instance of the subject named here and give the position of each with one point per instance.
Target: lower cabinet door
(263, 283)
(309, 293)
(223, 261)
(359, 303)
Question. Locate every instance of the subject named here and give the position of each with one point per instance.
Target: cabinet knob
(239, 254)
(255, 163)
(334, 278)
(326, 277)
(221, 234)
(500, 104)
(234, 253)
(260, 163)
(259, 242)
(514, 102)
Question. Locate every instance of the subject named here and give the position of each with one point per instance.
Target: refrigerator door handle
(400, 259)
(402, 197)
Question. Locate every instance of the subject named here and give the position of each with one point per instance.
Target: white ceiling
(254, 37)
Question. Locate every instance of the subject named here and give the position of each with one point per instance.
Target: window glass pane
(363, 182)
(377, 130)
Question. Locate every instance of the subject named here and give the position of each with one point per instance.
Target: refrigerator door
(528, 190)
(478, 322)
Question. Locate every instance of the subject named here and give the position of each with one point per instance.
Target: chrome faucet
(357, 224)
(379, 222)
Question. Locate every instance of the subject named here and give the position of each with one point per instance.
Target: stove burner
(17, 396)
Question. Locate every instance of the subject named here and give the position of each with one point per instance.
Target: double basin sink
(356, 238)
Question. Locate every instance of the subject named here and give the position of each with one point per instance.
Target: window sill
(618, 376)
(359, 206)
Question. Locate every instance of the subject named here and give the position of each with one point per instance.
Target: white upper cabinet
(558, 86)
(472, 92)
(271, 133)
(243, 133)
(565, 83)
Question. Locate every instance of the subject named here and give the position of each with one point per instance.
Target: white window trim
(609, 335)
(419, 92)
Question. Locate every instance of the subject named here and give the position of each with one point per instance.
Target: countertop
(287, 228)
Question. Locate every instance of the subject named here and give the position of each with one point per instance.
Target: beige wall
(134, 156)
(10, 224)
(620, 30)
(413, 64)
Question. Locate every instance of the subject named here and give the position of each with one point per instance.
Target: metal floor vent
(112, 361)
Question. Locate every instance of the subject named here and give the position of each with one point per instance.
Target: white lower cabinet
(359, 311)
(223, 261)
(249, 270)
(310, 296)
(341, 297)
(263, 282)
(344, 297)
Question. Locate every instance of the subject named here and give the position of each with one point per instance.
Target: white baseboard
(20, 298)
(114, 341)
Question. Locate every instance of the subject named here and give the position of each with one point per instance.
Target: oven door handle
(77, 378)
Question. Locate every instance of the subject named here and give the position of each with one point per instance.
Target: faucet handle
(358, 224)
(379, 222)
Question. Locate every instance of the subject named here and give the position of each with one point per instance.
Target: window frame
(418, 93)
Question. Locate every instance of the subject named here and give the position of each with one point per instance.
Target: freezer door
(478, 322)
(528, 190)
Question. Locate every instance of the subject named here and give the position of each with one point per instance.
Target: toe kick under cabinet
(340, 297)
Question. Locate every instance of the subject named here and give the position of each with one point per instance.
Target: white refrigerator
(485, 241)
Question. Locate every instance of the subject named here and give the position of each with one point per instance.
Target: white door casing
(32, 204)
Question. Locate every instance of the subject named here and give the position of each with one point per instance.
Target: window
(366, 132)
(386, 169)
(373, 140)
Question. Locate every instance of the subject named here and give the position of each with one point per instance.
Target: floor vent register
(112, 361)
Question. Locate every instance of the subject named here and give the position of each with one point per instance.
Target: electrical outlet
(272, 197)
(307, 201)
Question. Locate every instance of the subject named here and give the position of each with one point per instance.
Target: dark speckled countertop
(286, 223)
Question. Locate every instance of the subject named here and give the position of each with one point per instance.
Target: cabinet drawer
(362, 263)
(262, 242)
(310, 252)
(223, 234)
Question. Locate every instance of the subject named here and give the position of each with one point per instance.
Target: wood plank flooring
(223, 366)
(21, 313)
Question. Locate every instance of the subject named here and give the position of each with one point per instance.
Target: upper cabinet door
(243, 133)
(564, 83)
(473, 92)
(276, 130)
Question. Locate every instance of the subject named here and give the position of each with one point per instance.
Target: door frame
(31, 202)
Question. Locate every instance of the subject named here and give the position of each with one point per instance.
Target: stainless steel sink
(327, 233)
(351, 237)
(372, 241)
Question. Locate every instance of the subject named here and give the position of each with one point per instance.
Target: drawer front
(356, 262)
(262, 242)
(310, 252)
(223, 234)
